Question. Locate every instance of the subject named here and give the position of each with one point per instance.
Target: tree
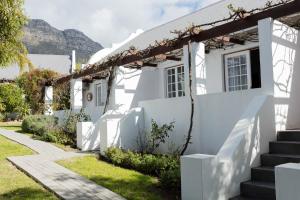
(12, 21)
(12, 98)
(31, 83)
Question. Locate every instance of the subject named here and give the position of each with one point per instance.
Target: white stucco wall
(91, 107)
(286, 72)
(231, 165)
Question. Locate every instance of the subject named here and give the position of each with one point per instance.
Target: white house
(245, 87)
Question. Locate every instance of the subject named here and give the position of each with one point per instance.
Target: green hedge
(38, 124)
(46, 128)
(166, 168)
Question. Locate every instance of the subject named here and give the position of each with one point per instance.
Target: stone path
(63, 182)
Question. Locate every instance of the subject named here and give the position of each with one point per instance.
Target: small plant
(159, 135)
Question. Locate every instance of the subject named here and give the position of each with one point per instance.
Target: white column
(265, 32)
(48, 98)
(76, 94)
(198, 68)
(287, 181)
(76, 87)
(73, 61)
(196, 177)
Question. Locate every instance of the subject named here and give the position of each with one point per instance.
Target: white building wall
(286, 72)
(90, 107)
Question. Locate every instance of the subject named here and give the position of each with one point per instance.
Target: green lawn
(14, 185)
(128, 183)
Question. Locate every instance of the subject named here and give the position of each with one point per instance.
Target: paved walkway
(63, 182)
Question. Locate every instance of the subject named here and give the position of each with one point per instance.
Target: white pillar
(73, 61)
(198, 68)
(196, 177)
(76, 87)
(48, 100)
(287, 181)
(265, 33)
(76, 94)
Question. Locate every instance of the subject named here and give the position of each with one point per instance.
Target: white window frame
(176, 81)
(99, 99)
(248, 63)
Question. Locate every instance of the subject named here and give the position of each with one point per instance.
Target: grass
(15, 185)
(128, 183)
(16, 126)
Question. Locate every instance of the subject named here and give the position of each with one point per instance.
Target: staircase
(262, 184)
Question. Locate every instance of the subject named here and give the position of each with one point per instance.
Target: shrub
(46, 128)
(11, 99)
(166, 168)
(2, 117)
(70, 122)
(38, 124)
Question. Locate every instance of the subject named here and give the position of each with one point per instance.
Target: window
(238, 72)
(175, 82)
(99, 98)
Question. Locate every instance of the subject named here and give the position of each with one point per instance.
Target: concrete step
(258, 190)
(285, 147)
(244, 198)
(263, 174)
(289, 135)
(271, 160)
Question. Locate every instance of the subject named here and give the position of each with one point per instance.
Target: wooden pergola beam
(231, 40)
(166, 57)
(217, 31)
(140, 64)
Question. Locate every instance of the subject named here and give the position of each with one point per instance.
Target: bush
(70, 122)
(38, 124)
(166, 168)
(11, 100)
(2, 117)
(170, 178)
(46, 128)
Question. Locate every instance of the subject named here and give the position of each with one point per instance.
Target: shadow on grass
(27, 193)
(137, 187)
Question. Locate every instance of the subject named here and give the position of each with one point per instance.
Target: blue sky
(110, 21)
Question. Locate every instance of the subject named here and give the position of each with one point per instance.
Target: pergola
(223, 32)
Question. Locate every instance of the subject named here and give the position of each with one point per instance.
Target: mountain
(41, 38)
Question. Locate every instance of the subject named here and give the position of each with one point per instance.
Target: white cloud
(110, 21)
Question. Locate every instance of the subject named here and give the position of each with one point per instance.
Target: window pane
(244, 69)
(230, 62)
(231, 82)
(244, 80)
(175, 82)
(243, 60)
(237, 73)
(236, 61)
